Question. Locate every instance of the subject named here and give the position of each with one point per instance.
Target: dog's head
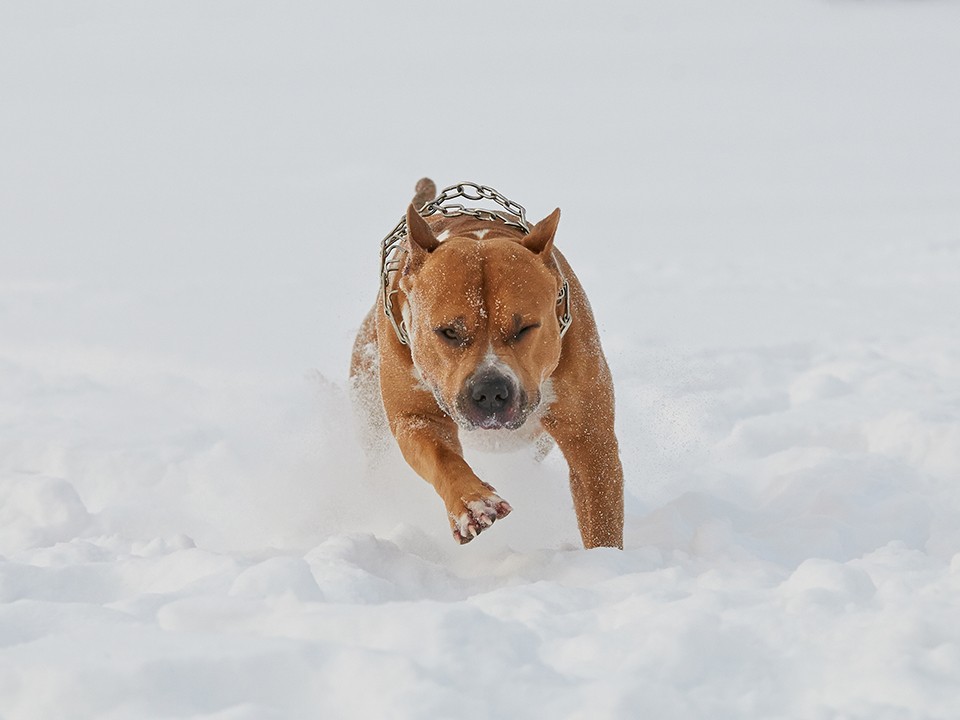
(482, 320)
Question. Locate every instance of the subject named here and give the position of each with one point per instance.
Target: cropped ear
(420, 237)
(540, 239)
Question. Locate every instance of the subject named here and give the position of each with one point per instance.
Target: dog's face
(482, 320)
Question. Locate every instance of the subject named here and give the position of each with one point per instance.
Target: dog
(482, 331)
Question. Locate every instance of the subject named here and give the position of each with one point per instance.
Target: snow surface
(763, 200)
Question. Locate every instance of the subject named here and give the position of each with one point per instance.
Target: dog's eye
(525, 330)
(451, 335)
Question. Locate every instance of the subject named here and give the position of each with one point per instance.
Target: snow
(762, 201)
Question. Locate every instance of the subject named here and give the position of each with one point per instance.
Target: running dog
(482, 331)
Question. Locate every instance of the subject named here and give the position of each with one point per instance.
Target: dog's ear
(540, 239)
(420, 238)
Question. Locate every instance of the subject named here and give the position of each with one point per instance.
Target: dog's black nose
(491, 393)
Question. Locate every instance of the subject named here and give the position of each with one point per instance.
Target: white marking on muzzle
(492, 361)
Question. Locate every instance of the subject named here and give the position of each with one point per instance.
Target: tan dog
(481, 351)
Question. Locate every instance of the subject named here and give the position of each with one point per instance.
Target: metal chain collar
(516, 215)
(391, 247)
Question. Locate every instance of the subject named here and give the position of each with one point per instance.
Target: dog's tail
(426, 191)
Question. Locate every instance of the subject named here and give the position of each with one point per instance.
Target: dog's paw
(476, 515)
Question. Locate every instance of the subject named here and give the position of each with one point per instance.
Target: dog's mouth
(496, 422)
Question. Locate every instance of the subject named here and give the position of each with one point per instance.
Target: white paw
(477, 516)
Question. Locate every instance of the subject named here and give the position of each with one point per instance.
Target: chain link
(515, 216)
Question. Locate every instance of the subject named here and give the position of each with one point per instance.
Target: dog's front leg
(589, 445)
(596, 483)
(431, 446)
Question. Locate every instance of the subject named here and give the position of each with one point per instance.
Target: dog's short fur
(486, 358)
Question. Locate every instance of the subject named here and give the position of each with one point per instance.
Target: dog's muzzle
(492, 400)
